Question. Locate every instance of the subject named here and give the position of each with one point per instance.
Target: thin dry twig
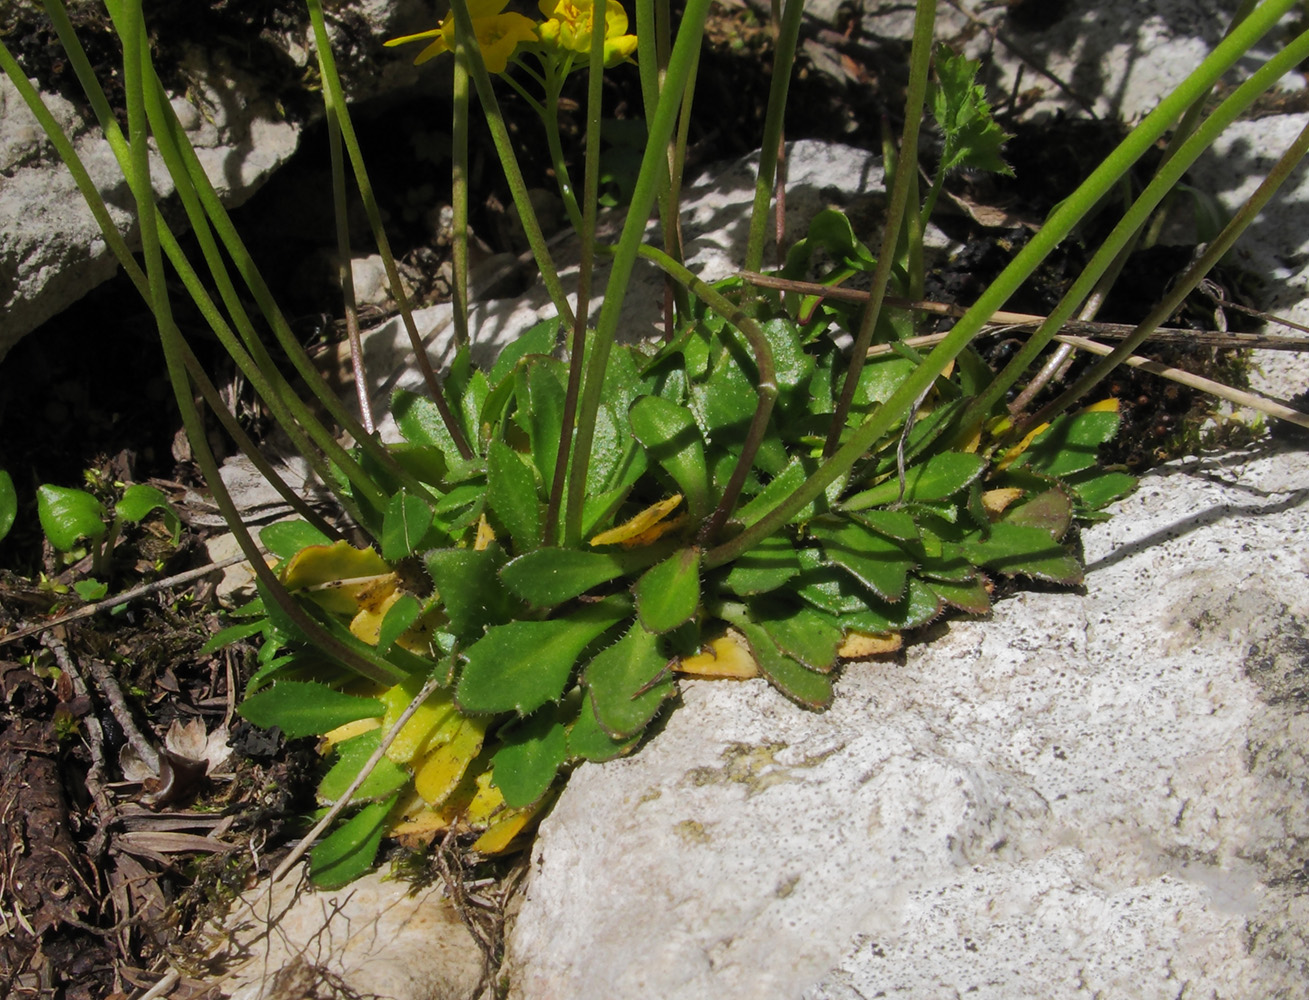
(145, 590)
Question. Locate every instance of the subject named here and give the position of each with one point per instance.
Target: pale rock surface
(1094, 794)
(376, 937)
(51, 250)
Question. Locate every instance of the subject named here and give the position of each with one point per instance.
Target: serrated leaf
(781, 486)
(285, 538)
(302, 708)
(420, 422)
(1051, 511)
(541, 396)
(140, 499)
(1016, 550)
(587, 739)
(8, 503)
(805, 687)
(406, 522)
(800, 632)
(919, 606)
(519, 666)
(671, 437)
(399, 617)
(959, 105)
(627, 682)
(468, 581)
(897, 525)
(1097, 489)
(1071, 443)
(669, 593)
(90, 590)
(874, 560)
(765, 567)
(530, 755)
(551, 576)
(936, 478)
(538, 339)
(511, 496)
(351, 849)
(385, 780)
(440, 771)
(971, 597)
(69, 515)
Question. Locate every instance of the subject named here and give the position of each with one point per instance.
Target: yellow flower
(498, 34)
(569, 27)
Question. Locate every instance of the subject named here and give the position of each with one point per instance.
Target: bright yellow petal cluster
(498, 34)
(569, 27)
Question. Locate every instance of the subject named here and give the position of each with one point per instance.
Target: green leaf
(803, 633)
(668, 594)
(8, 503)
(971, 597)
(1093, 488)
(519, 666)
(511, 496)
(919, 607)
(231, 634)
(959, 105)
(782, 485)
(539, 339)
(1071, 443)
(793, 367)
(1051, 511)
(897, 525)
(351, 849)
(587, 739)
(399, 616)
(670, 434)
(541, 395)
(139, 500)
(385, 780)
(420, 422)
(302, 708)
(938, 477)
(406, 522)
(627, 682)
(91, 590)
(1018, 550)
(767, 566)
(551, 576)
(468, 581)
(68, 515)
(876, 561)
(285, 538)
(531, 752)
(805, 687)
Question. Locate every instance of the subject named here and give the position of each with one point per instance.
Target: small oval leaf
(68, 515)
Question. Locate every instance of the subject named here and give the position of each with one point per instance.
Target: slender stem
(586, 233)
(509, 163)
(335, 94)
(1184, 285)
(346, 269)
(920, 61)
(653, 167)
(459, 191)
(1168, 176)
(783, 59)
(550, 118)
(1060, 223)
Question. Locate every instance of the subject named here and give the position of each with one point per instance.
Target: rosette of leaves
(554, 654)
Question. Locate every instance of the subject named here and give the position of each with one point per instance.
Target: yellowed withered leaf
(340, 578)
(423, 727)
(644, 528)
(721, 657)
(995, 501)
(862, 645)
(438, 774)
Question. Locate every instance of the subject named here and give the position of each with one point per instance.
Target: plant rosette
(552, 655)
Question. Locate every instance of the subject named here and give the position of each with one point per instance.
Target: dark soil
(88, 905)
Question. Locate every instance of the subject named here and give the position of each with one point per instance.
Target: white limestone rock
(1094, 794)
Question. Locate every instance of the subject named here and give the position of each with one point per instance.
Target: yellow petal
(861, 645)
(628, 532)
(723, 657)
